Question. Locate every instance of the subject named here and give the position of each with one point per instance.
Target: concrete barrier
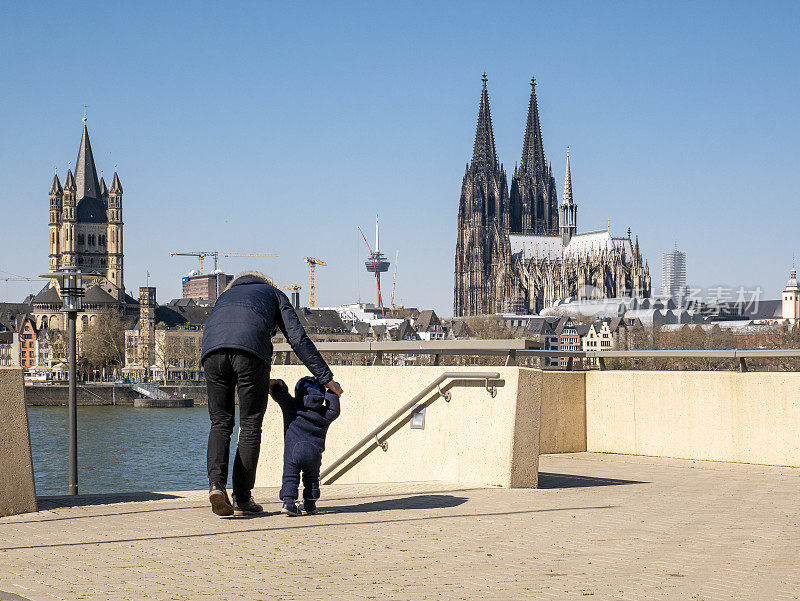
(472, 440)
(719, 416)
(563, 395)
(17, 487)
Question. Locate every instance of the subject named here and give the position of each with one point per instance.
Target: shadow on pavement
(548, 480)
(60, 501)
(413, 502)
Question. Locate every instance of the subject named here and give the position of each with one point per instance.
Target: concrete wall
(473, 439)
(17, 489)
(720, 416)
(57, 394)
(563, 400)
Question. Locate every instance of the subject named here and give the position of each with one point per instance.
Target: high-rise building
(673, 276)
(513, 252)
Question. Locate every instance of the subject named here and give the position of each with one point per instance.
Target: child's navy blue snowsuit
(306, 417)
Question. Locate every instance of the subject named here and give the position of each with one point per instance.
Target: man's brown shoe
(220, 504)
(247, 507)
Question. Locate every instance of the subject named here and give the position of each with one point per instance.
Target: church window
(102, 238)
(80, 260)
(85, 322)
(80, 239)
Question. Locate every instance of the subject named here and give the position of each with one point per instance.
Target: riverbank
(90, 394)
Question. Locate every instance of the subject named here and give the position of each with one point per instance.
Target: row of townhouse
(562, 333)
(23, 344)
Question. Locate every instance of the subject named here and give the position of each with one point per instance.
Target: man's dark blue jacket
(246, 317)
(307, 415)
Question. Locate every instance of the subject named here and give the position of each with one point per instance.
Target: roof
(321, 319)
(592, 243)
(404, 331)
(116, 185)
(461, 330)
(173, 317)
(91, 208)
(583, 328)
(766, 309)
(47, 296)
(539, 326)
(95, 295)
(85, 172)
(55, 187)
(426, 319)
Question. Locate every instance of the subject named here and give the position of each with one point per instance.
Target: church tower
(569, 211)
(534, 202)
(790, 299)
(484, 221)
(86, 222)
(56, 194)
(114, 273)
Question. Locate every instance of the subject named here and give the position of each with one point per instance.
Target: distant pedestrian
(236, 358)
(306, 417)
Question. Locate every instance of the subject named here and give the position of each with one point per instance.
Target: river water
(122, 449)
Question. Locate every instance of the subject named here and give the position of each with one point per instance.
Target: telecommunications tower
(376, 263)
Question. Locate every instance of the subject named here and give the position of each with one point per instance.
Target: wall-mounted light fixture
(418, 418)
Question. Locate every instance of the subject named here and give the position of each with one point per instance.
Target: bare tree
(103, 344)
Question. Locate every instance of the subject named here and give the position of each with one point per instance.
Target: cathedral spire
(532, 147)
(484, 155)
(85, 171)
(568, 183)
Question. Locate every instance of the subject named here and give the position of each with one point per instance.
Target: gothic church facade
(520, 251)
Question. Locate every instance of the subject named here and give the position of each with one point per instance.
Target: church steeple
(484, 155)
(532, 147)
(569, 212)
(85, 171)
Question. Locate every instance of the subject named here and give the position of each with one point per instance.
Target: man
(236, 357)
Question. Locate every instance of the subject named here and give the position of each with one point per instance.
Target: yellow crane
(312, 263)
(216, 254)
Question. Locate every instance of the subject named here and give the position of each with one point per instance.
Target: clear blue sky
(267, 128)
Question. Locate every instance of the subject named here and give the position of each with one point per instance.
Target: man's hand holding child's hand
(335, 388)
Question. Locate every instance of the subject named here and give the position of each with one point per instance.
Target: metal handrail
(373, 435)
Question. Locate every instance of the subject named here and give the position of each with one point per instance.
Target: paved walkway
(606, 526)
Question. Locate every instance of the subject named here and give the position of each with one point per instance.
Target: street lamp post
(71, 281)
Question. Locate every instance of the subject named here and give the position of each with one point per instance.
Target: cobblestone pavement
(607, 526)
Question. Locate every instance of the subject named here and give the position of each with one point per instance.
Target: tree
(103, 344)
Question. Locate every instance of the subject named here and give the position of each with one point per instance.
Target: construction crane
(312, 263)
(19, 279)
(394, 278)
(295, 296)
(216, 254)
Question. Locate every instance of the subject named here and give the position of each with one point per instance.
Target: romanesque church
(521, 252)
(85, 232)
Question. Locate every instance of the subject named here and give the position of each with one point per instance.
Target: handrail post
(742, 364)
(436, 358)
(511, 358)
(602, 361)
(378, 358)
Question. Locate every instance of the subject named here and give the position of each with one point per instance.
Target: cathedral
(521, 252)
(85, 232)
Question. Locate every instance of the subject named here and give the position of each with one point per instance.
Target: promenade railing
(517, 348)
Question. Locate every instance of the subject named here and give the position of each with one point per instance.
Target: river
(121, 449)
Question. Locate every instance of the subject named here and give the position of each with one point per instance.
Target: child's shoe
(290, 508)
(310, 506)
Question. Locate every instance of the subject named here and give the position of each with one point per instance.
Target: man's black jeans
(229, 371)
